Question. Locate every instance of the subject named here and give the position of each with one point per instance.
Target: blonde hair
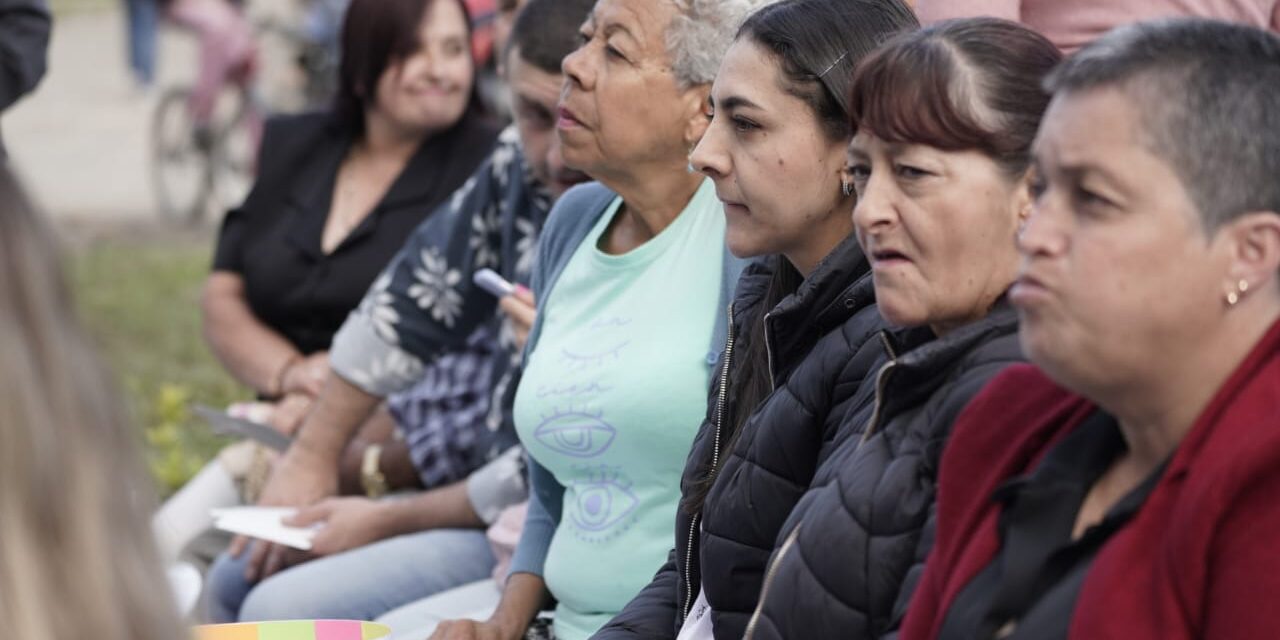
(77, 558)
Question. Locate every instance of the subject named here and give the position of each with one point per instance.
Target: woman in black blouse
(338, 193)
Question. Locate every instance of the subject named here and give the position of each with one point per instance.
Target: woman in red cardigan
(1130, 486)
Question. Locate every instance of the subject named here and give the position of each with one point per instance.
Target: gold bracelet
(371, 477)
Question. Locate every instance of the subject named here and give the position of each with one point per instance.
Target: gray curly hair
(699, 37)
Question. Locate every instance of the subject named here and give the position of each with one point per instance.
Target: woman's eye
(583, 38)
(909, 172)
(742, 125)
(858, 172)
(613, 52)
(1089, 198)
(1038, 187)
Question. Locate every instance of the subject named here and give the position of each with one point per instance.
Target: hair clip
(833, 64)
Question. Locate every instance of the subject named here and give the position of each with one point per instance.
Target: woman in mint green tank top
(631, 284)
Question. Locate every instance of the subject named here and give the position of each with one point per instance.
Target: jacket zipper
(881, 377)
(722, 396)
(768, 580)
(768, 350)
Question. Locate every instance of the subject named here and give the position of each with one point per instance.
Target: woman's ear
(1254, 246)
(1022, 198)
(695, 108)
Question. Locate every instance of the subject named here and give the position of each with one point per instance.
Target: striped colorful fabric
(294, 630)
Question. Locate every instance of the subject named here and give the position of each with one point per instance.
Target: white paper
(265, 523)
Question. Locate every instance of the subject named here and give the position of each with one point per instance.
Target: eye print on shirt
(576, 361)
(580, 434)
(602, 502)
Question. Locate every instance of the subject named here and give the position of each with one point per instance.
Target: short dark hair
(545, 31)
(817, 43)
(1209, 97)
(958, 85)
(375, 34)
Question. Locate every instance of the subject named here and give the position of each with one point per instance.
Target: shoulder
(475, 135)
(572, 218)
(287, 139)
(1235, 445)
(1012, 418)
(284, 129)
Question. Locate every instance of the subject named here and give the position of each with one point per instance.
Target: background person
(336, 194)
(378, 555)
(942, 193)
(76, 557)
(1131, 478)
(776, 151)
(25, 26)
(1071, 24)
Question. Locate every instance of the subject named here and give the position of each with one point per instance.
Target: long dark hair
(816, 44)
(375, 35)
(968, 84)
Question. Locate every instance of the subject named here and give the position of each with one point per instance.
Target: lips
(566, 119)
(1027, 290)
(888, 258)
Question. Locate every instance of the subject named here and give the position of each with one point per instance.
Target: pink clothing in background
(1071, 24)
(226, 49)
(504, 535)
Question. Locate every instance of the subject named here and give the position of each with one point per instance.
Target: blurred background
(88, 145)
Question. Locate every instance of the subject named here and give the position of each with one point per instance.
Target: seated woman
(336, 195)
(1126, 488)
(631, 284)
(76, 558)
(775, 150)
(944, 119)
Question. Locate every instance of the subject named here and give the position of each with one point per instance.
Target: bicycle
(198, 166)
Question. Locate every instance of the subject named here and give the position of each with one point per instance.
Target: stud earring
(1234, 297)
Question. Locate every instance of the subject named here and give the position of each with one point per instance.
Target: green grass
(139, 298)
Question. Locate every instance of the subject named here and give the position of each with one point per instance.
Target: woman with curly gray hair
(631, 287)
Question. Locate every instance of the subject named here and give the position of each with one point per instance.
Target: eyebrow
(735, 102)
(615, 27)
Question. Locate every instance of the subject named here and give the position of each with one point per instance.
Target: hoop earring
(846, 188)
(689, 159)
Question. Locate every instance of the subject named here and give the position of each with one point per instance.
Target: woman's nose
(709, 156)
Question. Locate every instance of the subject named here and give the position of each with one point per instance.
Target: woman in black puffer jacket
(944, 121)
(799, 320)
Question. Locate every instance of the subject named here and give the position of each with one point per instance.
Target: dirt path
(81, 141)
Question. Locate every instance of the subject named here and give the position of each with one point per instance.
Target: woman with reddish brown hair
(943, 122)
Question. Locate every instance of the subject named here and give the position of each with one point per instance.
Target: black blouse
(273, 240)
(1030, 588)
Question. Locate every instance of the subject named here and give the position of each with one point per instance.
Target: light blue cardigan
(570, 221)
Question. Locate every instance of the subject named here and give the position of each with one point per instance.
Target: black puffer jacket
(812, 336)
(854, 547)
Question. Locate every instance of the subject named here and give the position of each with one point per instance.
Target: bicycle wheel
(179, 159)
(235, 148)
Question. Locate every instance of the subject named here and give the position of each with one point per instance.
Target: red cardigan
(1201, 559)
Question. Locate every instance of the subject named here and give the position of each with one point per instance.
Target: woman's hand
(347, 523)
(296, 480)
(287, 414)
(306, 376)
(472, 630)
(521, 312)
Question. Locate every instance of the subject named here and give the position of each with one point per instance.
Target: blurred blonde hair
(77, 560)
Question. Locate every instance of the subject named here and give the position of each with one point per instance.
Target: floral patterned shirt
(425, 303)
